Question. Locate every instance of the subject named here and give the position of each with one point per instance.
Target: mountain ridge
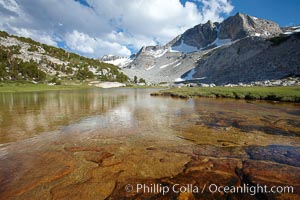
(180, 58)
(212, 53)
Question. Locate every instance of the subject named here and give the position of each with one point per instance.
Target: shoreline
(281, 94)
(28, 87)
(16, 87)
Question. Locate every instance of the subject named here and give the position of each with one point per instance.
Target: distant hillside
(24, 59)
(119, 61)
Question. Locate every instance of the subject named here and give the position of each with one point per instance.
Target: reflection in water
(89, 144)
(23, 115)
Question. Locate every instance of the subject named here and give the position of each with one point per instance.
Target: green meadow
(287, 94)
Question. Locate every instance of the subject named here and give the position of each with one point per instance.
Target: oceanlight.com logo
(211, 188)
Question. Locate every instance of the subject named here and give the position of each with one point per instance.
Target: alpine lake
(105, 143)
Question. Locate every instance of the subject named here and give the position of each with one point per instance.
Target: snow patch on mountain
(183, 48)
(156, 53)
(151, 67)
(187, 77)
(291, 30)
(177, 64)
(116, 60)
(166, 65)
(121, 62)
(220, 42)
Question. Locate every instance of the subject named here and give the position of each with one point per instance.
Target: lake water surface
(90, 144)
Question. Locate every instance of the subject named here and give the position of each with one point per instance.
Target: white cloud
(10, 6)
(107, 27)
(153, 18)
(85, 44)
(212, 8)
(40, 36)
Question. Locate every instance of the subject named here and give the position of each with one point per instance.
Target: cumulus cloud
(100, 27)
(85, 44)
(40, 36)
(212, 8)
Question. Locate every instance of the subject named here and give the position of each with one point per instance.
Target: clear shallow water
(23, 115)
(69, 143)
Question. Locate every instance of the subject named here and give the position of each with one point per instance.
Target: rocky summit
(231, 29)
(242, 48)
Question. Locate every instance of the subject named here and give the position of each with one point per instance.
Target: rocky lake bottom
(93, 144)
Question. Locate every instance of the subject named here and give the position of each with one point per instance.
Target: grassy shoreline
(24, 86)
(30, 87)
(285, 94)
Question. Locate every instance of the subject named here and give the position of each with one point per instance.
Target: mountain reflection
(23, 115)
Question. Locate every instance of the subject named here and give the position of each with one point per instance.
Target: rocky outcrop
(233, 28)
(166, 68)
(217, 47)
(241, 26)
(251, 59)
(47, 62)
(199, 36)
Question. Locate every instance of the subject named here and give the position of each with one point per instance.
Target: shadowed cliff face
(251, 59)
(199, 36)
(140, 139)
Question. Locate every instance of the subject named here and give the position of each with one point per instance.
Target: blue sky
(284, 12)
(94, 28)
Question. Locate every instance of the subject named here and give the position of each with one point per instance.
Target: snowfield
(183, 48)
